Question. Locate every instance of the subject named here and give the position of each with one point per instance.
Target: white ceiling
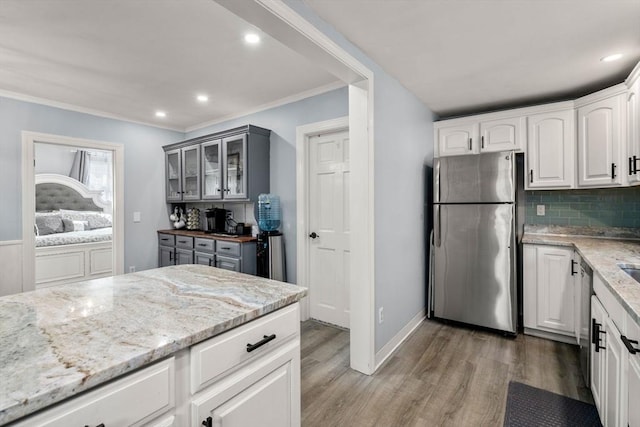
(130, 58)
(462, 56)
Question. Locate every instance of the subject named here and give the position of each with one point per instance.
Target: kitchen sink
(631, 270)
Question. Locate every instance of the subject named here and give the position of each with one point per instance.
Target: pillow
(49, 224)
(71, 225)
(94, 219)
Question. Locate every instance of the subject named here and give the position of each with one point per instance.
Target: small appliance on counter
(270, 247)
(216, 220)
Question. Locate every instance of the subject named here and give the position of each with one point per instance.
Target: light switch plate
(540, 210)
(136, 217)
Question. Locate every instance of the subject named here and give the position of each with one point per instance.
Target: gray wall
(144, 169)
(283, 121)
(52, 158)
(403, 133)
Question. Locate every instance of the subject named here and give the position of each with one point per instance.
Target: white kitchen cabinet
(503, 134)
(550, 154)
(458, 139)
(601, 143)
(239, 384)
(633, 374)
(549, 292)
(615, 378)
(598, 345)
(633, 130)
(152, 389)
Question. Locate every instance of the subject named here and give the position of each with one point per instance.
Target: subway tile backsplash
(602, 207)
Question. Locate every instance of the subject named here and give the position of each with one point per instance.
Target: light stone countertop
(59, 341)
(603, 254)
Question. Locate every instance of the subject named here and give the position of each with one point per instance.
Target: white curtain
(95, 170)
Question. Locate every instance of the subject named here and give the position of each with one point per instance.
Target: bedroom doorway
(72, 210)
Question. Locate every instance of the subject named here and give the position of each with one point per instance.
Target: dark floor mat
(530, 406)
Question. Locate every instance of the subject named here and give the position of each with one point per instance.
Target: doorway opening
(73, 204)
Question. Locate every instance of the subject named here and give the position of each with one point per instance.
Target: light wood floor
(441, 376)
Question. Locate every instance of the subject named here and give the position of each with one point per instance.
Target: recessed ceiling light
(610, 58)
(252, 38)
(202, 98)
(161, 114)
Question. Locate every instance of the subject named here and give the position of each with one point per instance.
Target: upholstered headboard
(55, 192)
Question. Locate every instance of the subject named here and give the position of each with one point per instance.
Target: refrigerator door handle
(436, 229)
(436, 187)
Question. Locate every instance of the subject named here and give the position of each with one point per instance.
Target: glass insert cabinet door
(191, 173)
(235, 154)
(174, 173)
(211, 170)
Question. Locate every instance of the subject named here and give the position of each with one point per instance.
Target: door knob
(314, 235)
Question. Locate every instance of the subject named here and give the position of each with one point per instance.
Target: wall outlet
(381, 315)
(132, 269)
(540, 210)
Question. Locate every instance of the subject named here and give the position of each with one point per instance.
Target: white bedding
(73, 237)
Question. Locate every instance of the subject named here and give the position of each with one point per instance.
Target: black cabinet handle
(531, 176)
(470, 143)
(208, 422)
(164, 239)
(266, 339)
(201, 244)
(573, 272)
(99, 425)
(629, 344)
(482, 141)
(225, 248)
(171, 256)
(613, 170)
(595, 335)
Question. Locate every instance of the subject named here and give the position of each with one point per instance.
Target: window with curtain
(95, 170)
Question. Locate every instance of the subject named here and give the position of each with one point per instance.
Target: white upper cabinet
(601, 143)
(502, 134)
(550, 150)
(633, 128)
(458, 140)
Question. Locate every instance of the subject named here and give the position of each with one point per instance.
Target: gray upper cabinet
(232, 165)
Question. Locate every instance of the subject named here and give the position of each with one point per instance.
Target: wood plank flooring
(441, 376)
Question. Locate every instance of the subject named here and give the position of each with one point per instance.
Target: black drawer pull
(629, 344)
(202, 244)
(595, 335)
(226, 248)
(266, 339)
(573, 272)
(164, 240)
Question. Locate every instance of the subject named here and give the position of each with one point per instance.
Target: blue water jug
(268, 212)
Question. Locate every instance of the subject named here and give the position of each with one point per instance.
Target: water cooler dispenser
(270, 246)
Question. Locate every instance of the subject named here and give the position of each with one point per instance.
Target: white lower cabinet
(135, 400)
(615, 360)
(249, 376)
(264, 393)
(550, 291)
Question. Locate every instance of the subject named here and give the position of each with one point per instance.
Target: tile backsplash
(602, 207)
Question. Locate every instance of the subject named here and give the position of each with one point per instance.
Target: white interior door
(329, 248)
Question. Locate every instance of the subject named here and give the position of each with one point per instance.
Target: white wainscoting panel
(10, 267)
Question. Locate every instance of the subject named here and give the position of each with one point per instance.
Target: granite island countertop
(603, 250)
(60, 341)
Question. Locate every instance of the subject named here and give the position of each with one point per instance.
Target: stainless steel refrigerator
(475, 240)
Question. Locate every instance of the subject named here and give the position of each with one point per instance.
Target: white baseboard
(395, 342)
(551, 336)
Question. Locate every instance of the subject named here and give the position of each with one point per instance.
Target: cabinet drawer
(184, 242)
(204, 245)
(609, 302)
(227, 263)
(213, 358)
(166, 239)
(152, 389)
(228, 248)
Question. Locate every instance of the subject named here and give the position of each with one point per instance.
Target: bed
(73, 230)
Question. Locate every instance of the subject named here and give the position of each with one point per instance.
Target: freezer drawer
(479, 178)
(474, 265)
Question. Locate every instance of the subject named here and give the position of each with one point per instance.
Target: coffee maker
(216, 220)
